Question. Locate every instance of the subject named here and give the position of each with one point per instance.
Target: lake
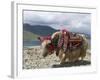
(37, 43)
(31, 43)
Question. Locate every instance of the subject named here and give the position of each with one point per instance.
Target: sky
(76, 22)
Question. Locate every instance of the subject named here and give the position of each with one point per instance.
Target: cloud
(58, 20)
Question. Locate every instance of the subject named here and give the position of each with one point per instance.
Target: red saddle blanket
(73, 41)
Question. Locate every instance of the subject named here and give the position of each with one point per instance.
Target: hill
(29, 36)
(41, 30)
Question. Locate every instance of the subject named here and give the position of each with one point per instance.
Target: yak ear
(40, 38)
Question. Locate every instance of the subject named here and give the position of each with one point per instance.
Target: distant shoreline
(28, 47)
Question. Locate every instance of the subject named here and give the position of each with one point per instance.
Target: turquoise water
(38, 43)
(31, 43)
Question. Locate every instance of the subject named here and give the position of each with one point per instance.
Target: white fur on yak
(72, 55)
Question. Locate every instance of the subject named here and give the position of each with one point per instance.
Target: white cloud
(59, 20)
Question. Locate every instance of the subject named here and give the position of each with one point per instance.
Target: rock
(33, 59)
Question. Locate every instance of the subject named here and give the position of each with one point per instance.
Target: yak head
(47, 47)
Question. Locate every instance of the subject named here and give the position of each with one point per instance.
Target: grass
(29, 36)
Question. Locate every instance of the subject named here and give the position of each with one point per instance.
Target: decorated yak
(66, 45)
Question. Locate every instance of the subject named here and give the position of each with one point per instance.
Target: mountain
(29, 36)
(41, 30)
(31, 32)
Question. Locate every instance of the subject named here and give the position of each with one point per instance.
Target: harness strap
(51, 47)
(64, 39)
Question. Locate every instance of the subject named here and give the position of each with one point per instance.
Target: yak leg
(83, 54)
(83, 51)
(57, 52)
(62, 57)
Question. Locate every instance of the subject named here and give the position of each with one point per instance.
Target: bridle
(50, 46)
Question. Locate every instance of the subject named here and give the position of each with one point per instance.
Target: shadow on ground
(70, 64)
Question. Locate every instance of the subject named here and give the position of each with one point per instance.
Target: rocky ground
(32, 59)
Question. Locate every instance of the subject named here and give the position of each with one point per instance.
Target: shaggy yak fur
(70, 55)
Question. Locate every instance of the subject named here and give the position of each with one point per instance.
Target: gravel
(33, 59)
